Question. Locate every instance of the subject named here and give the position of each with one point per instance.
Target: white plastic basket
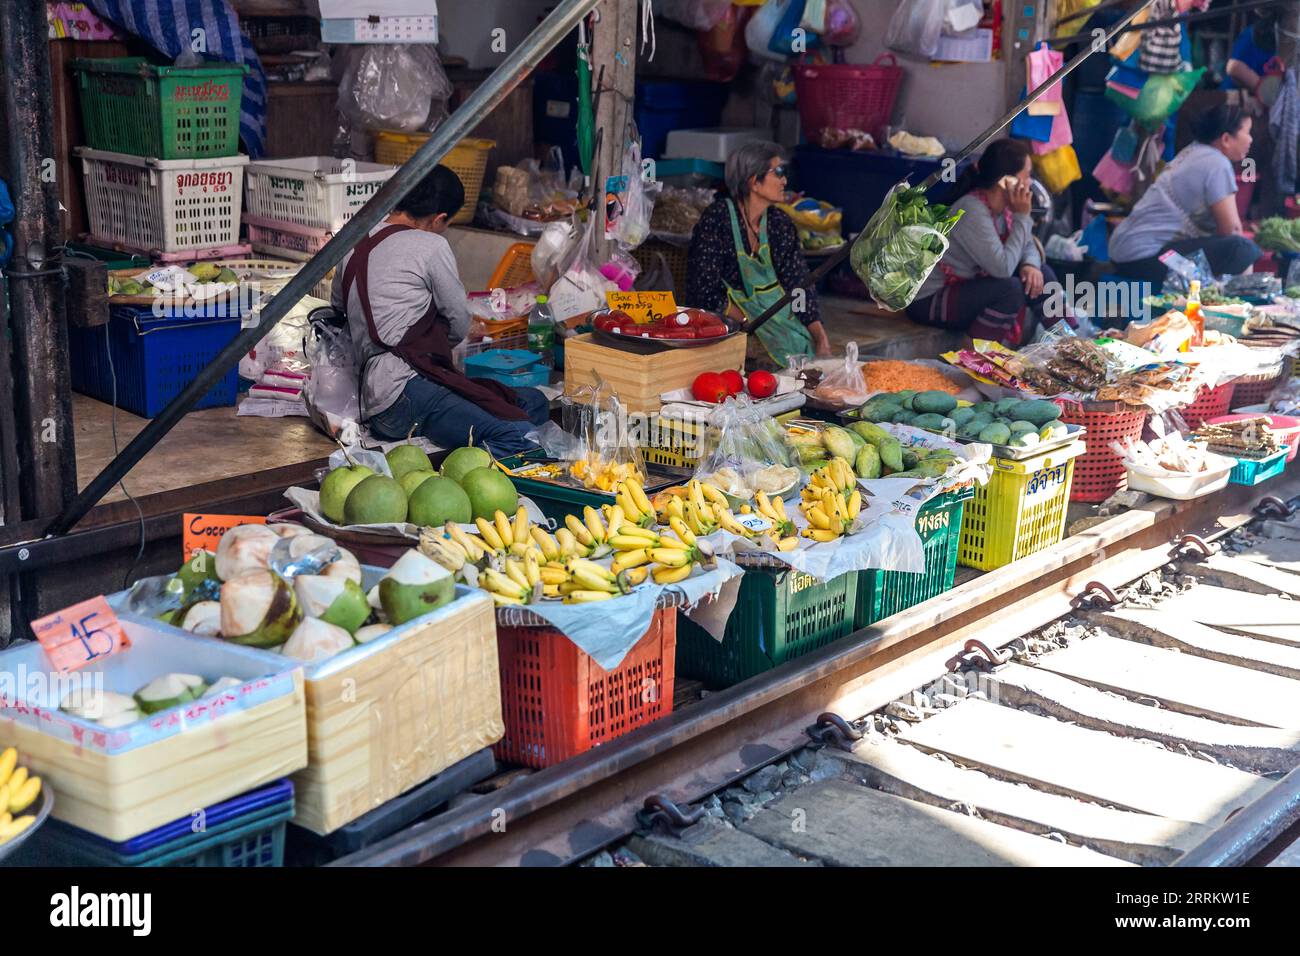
(316, 191)
(163, 205)
(287, 239)
(274, 274)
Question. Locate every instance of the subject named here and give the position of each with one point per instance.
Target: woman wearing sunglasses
(745, 255)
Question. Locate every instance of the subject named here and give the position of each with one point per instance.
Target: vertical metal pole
(42, 392)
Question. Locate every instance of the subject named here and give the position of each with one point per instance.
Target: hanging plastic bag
(813, 17)
(629, 202)
(331, 392)
(843, 27)
(723, 48)
(915, 27)
(843, 385)
(581, 287)
(693, 14)
(789, 37)
(745, 451)
(657, 278)
(1058, 169)
(901, 245)
(400, 86)
(762, 27)
(1162, 95)
(555, 245)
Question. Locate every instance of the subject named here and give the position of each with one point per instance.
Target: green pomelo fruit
(489, 491)
(336, 486)
(439, 500)
(407, 458)
(464, 460)
(376, 500)
(412, 480)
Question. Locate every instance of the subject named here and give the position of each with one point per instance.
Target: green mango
(995, 434)
(1037, 411)
(910, 458)
(903, 417)
(868, 462)
(1020, 427)
(891, 452)
(935, 401)
(962, 415)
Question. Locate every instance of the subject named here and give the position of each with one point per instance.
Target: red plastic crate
(1209, 403)
(557, 702)
(1099, 473)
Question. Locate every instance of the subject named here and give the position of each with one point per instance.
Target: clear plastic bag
(843, 26)
(629, 202)
(581, 287)
(900, 246)
(842, 385)
(610, 452)
(915, 27)
(745, 451)
(399, 86)
(332, 391)
(761, 27)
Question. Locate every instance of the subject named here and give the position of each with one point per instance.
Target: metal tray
(1000, 451)
(650, 346)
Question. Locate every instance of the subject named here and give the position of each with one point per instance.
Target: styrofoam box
(124, 781)
(316, 191)
(386, 716)
(714, 144)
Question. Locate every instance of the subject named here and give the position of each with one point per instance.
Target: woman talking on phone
(990, 281)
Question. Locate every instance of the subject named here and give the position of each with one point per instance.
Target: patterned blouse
(712, 266)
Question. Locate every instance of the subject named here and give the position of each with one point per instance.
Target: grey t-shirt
(1177, 206)
(976, 246)
(406, 270)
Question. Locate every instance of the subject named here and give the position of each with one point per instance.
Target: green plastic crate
(882, 593)
(779, 615)
(555, 501)
(128, 105)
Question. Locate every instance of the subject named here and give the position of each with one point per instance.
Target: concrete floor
(205, 446)
(886, 334)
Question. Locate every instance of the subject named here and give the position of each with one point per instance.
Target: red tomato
(735, 381)
(709, 387)
(762, 384)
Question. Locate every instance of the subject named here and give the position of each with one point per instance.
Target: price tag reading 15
(80, 634)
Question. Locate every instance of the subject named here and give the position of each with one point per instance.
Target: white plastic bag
(581, 287)
(915, 27)
(629, 203)
(398, 86)
(285, 341)
(762, 25)
(332, 391)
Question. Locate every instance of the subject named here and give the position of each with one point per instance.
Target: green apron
(783, 335)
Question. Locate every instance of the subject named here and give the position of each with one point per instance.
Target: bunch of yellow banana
(589, 582)
(453, 547)
(773, 509)
(698, 509)
(18, 791)
(519, 579)
(503, 535)
(837, 475)
(780, 534)
(631, 497)
(831, 515)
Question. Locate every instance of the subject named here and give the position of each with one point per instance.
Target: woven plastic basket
(467, 159)
(1099, 473)
(849, 96)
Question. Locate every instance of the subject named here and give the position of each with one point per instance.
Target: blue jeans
(1228, 255)
(446, 419)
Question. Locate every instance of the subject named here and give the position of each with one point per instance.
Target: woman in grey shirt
(1192, 205)
(990, 281)
(406, 308)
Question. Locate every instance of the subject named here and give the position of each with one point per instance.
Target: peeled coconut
(347, 566)
(415, 585)
(371, 631)
(259, 609)
(287, 530)
(372, 598)
(316, 640)
(86, 701)
(222, 685)
(203, 618)
(335, 600)
(168, 691)
(245, 547)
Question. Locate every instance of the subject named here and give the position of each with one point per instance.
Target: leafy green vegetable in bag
(901, 245)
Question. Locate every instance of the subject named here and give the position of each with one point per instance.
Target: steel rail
(512, 71)
(571, 810)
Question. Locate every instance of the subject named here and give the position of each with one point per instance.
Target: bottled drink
(541, 331)
(1193, 313)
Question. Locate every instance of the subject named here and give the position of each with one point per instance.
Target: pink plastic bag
(1042, 64)
(1114, 176)
(843, 27)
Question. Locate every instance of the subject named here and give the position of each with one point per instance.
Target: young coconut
(316, 640)
(347, 567)
(245, 547)
(203, 618)
(168, 691)
(91, 704)
(370, 632)
(335, 600)
(259, 609)
(222, 685)
(415, 585)
(287, 530)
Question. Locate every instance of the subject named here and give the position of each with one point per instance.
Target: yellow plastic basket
(1020, 511)
(467, 159)
(676, 443)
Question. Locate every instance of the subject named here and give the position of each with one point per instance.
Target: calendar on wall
(382, 21)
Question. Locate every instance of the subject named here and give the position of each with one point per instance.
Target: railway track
(1034, 714)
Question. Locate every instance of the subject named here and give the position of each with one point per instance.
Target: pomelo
(437, 501)
(336, 486)
(413, 479)
(489, 491)
(464, 460)
(376, 500)
(407, 458)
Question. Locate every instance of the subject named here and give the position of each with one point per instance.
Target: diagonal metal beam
(512, 71)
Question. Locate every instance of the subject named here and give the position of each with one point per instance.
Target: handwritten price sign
(643, 307)
(203, 532)
(80, 634)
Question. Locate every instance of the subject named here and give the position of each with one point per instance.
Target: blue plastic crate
(1251, 471)
(665, 105)
(517, 368)
(245, 831)
(153, 358)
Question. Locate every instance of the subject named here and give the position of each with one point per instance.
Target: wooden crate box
(640, 378)
(122, 782)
